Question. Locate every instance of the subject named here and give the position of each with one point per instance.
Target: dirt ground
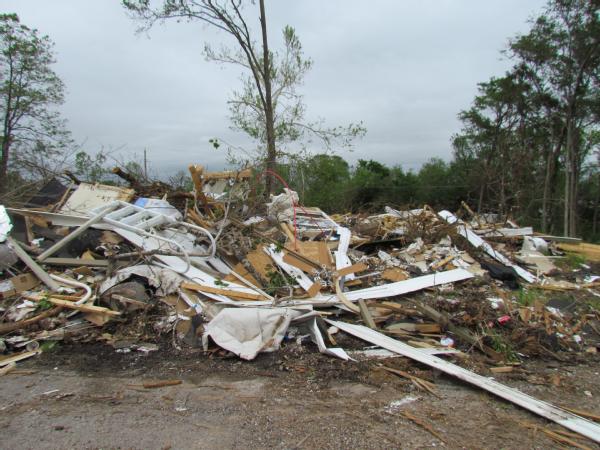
(89, 396)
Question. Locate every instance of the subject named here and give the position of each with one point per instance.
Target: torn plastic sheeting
(477, 242)
(164, 280)
(5, 224)
(544, 409)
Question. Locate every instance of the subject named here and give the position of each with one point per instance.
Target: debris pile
(214, 268)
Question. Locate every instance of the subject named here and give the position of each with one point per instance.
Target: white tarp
(247, 332)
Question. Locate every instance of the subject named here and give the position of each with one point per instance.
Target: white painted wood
(478, 242)
(405, 286)
(547, 410)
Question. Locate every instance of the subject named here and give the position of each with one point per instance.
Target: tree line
(528, 147)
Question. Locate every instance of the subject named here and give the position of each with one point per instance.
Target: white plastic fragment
(5, 224)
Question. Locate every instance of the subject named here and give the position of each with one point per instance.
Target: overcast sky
(405, 68)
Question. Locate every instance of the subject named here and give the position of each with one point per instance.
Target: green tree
(29, 89)
(268, 107)
(562, 54)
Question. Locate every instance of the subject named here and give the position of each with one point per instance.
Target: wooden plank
(18, 357)
(300, 264)
(77, 262)
(358, 267)
(226, 292)
(415, 327)
(241, 270)
(589, 251)
(260, 262)
(366, 315)
(228, 174)
(543, 409)
(394, 274)
(71, 305)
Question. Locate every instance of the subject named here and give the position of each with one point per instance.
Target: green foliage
(44, 304)
(219, 282)
(527, 297)
(91, 168)
(33, 133)
(502, 346)
(49, 346)
(278, 280)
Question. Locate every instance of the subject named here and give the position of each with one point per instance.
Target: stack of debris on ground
(144, 267)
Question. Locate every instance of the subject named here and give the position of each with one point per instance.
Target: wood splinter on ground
(423, 424)
(158, 384)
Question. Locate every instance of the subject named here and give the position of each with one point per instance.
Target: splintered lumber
(562, 417)
(76, 262)
(240, 270)
(260, 262)
(462, 333)
(18, 357)
(220, 291)
(13, 326)
(158, 384)
(418, 382)
(589, 251)
(227, 175)
(415, 327)
(8, 368)
(366, 315)
(423, 424)
(358, 267)
(71, 305)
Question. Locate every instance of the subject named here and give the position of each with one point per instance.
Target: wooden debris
(418, 382)
(4, 361)
(222, 291)
(366, 315)
(423, 424)
(8, 368)
(426, 328)
(159, 384)
(71, 305)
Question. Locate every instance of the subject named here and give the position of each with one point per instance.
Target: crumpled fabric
(164, 280)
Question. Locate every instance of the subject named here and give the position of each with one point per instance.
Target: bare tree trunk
(595, 219)
(551, 169)
(270, 125)
(568, 174)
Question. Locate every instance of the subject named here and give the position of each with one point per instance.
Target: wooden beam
(226, 292)
(71, 305)
(76, 262)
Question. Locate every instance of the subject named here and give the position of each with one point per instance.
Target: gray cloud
(404, 68)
